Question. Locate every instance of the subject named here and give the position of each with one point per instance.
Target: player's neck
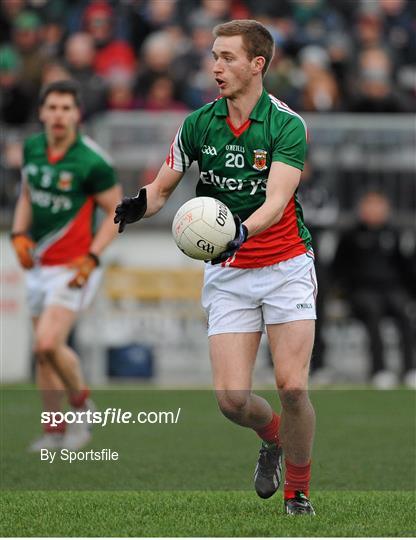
(61, 145)
(239, 108)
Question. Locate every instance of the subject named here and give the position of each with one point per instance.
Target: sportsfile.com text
(110, 415)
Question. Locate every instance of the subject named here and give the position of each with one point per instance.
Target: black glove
(131, 209)
(241, 234)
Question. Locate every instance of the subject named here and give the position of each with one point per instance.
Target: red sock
(77, 399)
(297, 479)
(270, 432)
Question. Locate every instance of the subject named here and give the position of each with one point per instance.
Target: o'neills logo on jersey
(65, 181)
(260, 160)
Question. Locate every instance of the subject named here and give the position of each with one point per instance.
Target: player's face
(60, 115)
(232, 69)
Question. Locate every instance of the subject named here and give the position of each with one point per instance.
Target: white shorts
(48, 285)
(244, 300)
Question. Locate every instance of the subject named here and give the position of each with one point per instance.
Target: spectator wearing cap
(16, 104)
(79, 60)
(111, 53)
(27, 40)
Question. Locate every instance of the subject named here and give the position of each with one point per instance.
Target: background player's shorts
(48, 285)
(244, 300)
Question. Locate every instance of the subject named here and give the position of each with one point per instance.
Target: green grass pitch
(195, 478)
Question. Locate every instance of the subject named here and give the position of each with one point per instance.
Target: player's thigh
(289, 290)
(291, 346)
(230, 301)
(233, 356)
(53, 327)
(74, 299)
(48, 285)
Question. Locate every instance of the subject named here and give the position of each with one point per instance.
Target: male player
(250, 149)
(65, 177)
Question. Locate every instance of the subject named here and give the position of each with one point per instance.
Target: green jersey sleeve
(100, 177)
(183, 151)
(289, 144)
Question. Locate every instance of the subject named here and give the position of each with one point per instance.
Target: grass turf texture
(203, 514)
(365, 441)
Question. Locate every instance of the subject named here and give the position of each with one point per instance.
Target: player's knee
(293, 398)
(45, 349)
(232, 403)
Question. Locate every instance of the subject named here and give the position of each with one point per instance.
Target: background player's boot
(49, 441)
(268, 473)
(300, 504)
(79, 435)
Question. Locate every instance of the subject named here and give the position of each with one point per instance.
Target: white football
(202, 228)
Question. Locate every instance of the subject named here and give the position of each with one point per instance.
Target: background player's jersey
(61, 193)
(234, 166)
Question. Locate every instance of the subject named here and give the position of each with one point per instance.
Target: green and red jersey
(234, 165)
(62, 196)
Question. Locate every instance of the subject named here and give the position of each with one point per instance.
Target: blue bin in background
(133, 360)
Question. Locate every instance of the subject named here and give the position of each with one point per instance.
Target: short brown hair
(257, 40)
(62, 87)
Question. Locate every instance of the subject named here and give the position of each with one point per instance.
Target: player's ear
(258, 64)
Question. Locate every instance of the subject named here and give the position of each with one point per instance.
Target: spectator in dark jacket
(373, 274)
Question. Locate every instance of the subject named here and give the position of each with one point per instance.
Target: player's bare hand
(131, 209)
(23, 246)
(241, 234)
(83, 267)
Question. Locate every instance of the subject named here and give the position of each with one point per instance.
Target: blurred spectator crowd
(331, 55)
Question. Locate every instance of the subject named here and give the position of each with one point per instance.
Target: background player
(65, 177)
(250, 148)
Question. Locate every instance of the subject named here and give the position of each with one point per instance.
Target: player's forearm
(159, 191)
(156, 199)
(264, 217)
(22, 219)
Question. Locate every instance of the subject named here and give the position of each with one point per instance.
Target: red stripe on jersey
(75, 242)
(277, 243)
